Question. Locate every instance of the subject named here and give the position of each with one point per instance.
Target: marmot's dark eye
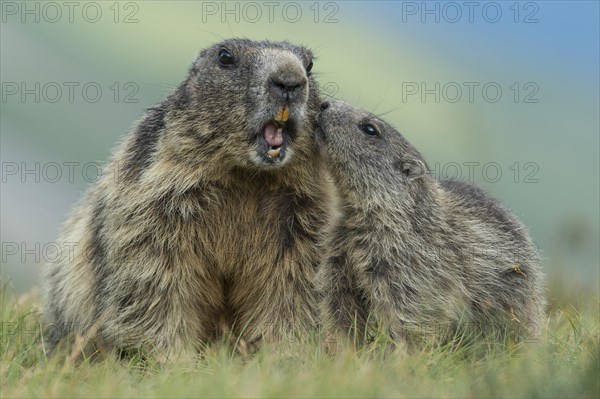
(369, 129)
(225, 57)
(309, 66)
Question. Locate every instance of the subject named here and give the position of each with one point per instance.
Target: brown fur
(417, 257)
(192, 231)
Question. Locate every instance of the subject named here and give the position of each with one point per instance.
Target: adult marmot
(210, 214)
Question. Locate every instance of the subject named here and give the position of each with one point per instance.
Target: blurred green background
(535, 147)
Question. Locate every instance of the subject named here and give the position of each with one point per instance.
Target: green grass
(565, 363)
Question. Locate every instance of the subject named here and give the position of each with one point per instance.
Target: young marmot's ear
(411, 169)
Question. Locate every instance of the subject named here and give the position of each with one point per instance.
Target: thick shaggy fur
(415, 256)
(193, 231)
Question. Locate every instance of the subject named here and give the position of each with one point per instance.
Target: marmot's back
(475, 201)
(511, 279)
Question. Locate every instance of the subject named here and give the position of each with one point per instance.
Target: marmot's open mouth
(273, 134)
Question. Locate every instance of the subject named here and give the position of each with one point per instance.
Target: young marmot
(414, 256)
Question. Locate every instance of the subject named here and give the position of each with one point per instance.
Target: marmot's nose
(287, 86)
(324, 105)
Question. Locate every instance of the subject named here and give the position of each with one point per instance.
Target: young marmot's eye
(225, 57)
(369, 129)
(309, 66)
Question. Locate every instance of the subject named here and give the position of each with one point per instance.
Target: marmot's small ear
(411, 169)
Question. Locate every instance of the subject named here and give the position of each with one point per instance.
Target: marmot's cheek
(320, 136)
